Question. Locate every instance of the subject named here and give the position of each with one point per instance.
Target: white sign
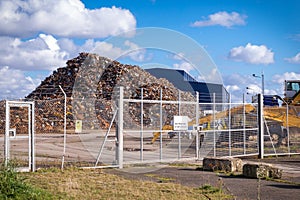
(181, 123)
(78, 126)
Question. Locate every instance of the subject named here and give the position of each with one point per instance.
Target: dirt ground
(288, 187)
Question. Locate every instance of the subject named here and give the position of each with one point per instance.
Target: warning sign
(181, 123)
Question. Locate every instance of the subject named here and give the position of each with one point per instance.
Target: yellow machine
(292, 92)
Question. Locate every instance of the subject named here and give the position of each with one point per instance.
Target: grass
(13, 186)
(74, 183)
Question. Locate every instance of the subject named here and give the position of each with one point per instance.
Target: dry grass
(96, 184)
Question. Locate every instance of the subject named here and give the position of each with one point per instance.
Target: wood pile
(91, 84)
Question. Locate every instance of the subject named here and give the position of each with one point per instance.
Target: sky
(240, 37)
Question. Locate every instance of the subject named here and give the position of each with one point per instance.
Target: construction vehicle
(292, 92)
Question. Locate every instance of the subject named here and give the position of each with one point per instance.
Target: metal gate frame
(31, 141)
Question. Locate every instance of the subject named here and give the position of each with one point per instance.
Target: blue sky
(241, 37)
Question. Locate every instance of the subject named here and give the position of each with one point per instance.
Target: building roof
(185, 82)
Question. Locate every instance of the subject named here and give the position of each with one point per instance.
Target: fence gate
(19, 134)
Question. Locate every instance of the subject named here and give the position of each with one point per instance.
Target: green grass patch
(13, 186)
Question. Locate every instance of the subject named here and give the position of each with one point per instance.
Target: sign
(78, 126)
(180, 123)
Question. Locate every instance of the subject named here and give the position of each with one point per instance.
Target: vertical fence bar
(244, 125)
(160, 126)
(120, 130)
(261, 134)
(213, 122)
(229, 125)
(288, 128)
(142, 127)
(29, 138)
(65, 128)
(6, 142)
(179, 102)
(197, 124)
(32, 107)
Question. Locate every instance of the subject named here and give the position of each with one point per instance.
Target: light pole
(262, 82)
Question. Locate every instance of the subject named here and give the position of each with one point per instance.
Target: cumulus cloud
(23, 18)
(222, 19)
(183, 64)
(14, 84)
(41, 53)
(128, 49)
(136, 53)
(253, 54)
(232, 88)
(295, 59)
(280, 78)
(237, 85)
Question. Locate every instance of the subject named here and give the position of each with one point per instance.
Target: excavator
(274, 113)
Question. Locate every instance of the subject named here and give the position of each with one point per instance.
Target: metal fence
(135, 129)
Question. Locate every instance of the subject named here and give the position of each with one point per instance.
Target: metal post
(120, 129)
(260, 127)
(179, 102)
(214, 118)
(6, 141)
(32, 138)
(263, 83)
(229, 125)
(244, 124)
(142, 127)
(65, 128)
(197, 124)
(288, 128)
(160, 126)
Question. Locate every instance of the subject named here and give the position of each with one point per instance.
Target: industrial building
(185, 82)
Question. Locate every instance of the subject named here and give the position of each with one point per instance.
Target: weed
(13, 186)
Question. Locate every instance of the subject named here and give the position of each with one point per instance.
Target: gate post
(261, 133)
(120, 129)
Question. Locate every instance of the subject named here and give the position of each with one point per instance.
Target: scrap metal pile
(91, 84)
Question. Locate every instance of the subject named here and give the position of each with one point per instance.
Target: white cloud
(67, 18)
(183, 66)
(223, 19)
(41, 53)
(14, 84)
(50, 41)
(280, 78)
(109, 50)
(237, 85)
(252, 54)
(295, 59)
(137, 54)
(102, 48)
(232, 88)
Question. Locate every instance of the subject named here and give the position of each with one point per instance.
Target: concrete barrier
(222, 164)
(261, 171)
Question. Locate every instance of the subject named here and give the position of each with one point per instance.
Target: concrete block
(261, 171)
(222, 164)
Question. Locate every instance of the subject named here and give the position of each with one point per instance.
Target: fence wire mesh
(227, 129)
